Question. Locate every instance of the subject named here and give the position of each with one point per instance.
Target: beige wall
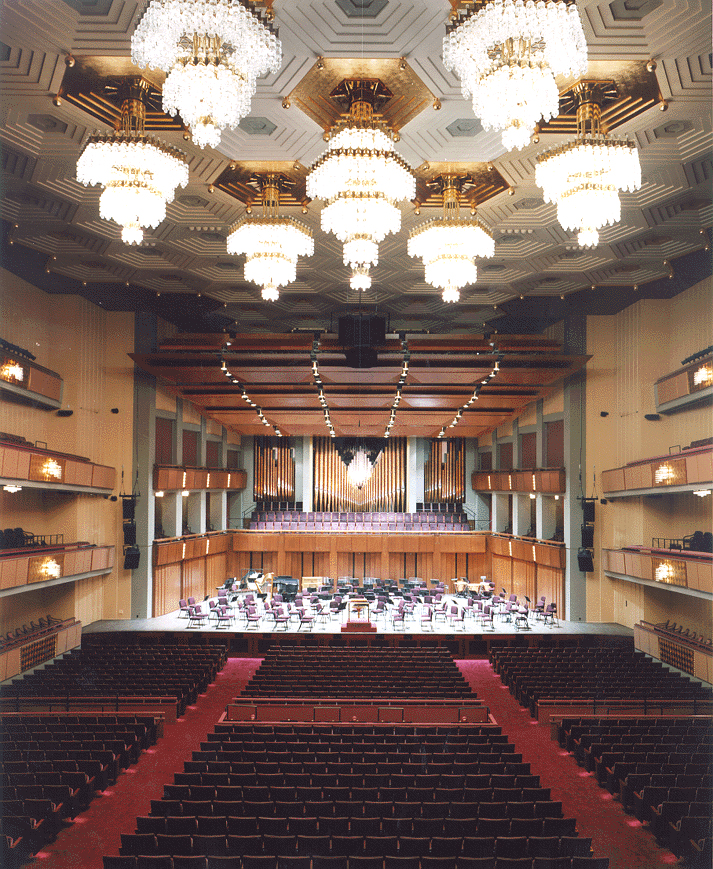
(630, 351)
(87, 346)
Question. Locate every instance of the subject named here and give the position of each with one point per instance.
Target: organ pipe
(274, 470)
(384, 491)
(444, 471)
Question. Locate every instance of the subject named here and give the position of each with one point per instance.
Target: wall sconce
(700, 492)
(532, 496)
(664, 474)
(185, 493)
(158, 494)
(12, 371)
(50, 569)
(12, 489)
(703, 376)
(51, 470)
(664, 572)
(557, 497)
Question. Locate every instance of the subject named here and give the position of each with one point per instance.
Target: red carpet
(614, 834)
(97, 831)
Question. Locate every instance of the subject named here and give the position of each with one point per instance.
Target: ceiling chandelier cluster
(584, 177)
(213, 51)
(139, 174)
(448, 245)
(361, 178)
(507, 54)
(272, 244)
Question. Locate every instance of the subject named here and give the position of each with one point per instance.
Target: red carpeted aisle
(614, 834)
(97, 831)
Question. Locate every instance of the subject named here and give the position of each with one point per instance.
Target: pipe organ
(444, 471)
(385, 490)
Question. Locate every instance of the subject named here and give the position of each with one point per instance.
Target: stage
(469, 642)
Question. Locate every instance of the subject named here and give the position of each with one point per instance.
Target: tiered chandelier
(361, 177)
(584, 177)
(449, 244)
(212, 51)
(507, 54)
(272, 244)
(139, 174)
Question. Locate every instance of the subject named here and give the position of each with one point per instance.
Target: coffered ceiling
(538, 272)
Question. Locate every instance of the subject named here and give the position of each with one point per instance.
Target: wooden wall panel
(193, 580)
(166, 589)
(550, 582)
(216, 571)
(502, 571)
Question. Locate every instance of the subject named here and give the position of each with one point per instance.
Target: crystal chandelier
(361, 178)
(507, 54)
(360, 455)
(360, 469)
(449, 244)
(584, 177)
(139, 174)
(272, 244)
(213, 51)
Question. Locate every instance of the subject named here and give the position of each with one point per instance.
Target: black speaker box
(131, 558)
(588, 510)
(362, 330)
(128, 506)
(587, 536)
(584, 559)
(361, 357)
(129, 533)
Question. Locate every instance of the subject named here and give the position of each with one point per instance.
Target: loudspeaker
(129, 533)
(587, 536)
(128, 506)
(361, 357)
(131, 558)
(588, 510)
(362, 330)
(584, 559)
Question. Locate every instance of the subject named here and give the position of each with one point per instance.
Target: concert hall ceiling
(477, 382)
(54, 237)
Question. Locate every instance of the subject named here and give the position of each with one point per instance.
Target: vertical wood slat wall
(384, 491)
(444, 471)
(274, 470)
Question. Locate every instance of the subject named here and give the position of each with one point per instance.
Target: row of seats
(672, 793)
(25, 634)
(357, 672)
(93, 671)
(516, 847)
(258, 861)
(617, 674)
(51, 769)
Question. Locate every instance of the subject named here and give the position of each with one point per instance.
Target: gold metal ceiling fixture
(272, 244)
(448, 245)
(361, 178)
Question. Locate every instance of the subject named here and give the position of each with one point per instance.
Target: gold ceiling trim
(236, 181)
(635, 89)
(483, 182)
(313, 95)
(90, 84)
